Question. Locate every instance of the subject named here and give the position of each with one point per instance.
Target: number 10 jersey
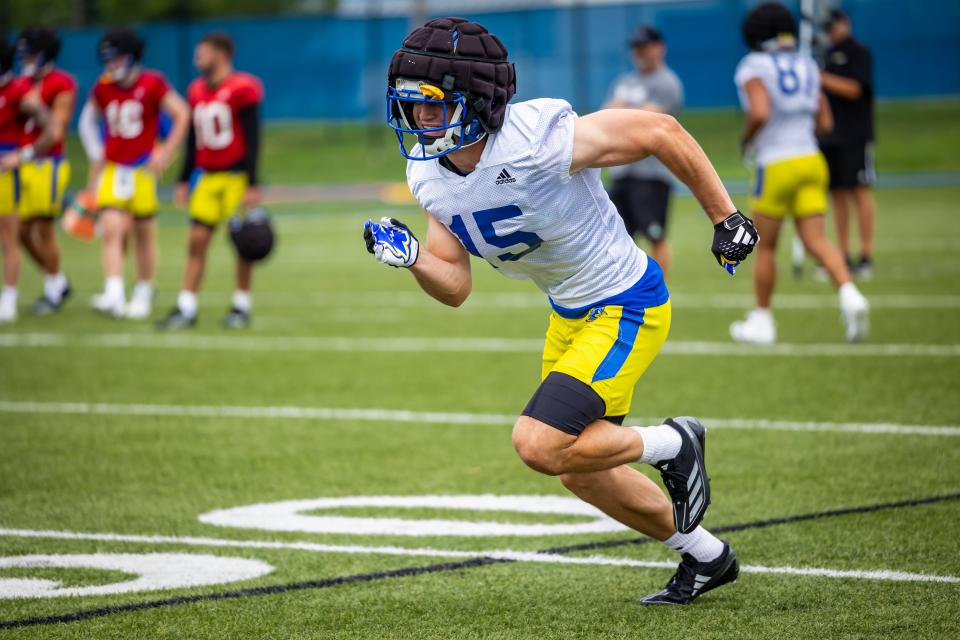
(523, 212)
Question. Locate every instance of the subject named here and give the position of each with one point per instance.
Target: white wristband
(27, 153)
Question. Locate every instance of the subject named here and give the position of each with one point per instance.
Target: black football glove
(733, 240)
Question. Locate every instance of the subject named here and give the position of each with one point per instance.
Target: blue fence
(327, 67)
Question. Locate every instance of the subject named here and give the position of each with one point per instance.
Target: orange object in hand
(79, 218)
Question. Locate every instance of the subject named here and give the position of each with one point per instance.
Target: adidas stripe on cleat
(685, 476)
(693, 578)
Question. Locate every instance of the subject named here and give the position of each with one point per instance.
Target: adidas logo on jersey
(505, 178)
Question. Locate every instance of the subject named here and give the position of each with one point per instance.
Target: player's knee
(533, 450)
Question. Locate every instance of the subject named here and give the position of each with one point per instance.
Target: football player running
(129, 99)
(219, 173)
(44, 175)
(519, 185)
(19, 104)
(780, 92)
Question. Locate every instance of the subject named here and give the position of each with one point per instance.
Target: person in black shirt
(847, 80)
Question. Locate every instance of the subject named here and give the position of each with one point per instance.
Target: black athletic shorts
(851, 165)
(643, 204)
(565, 403)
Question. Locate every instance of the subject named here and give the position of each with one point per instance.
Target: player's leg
(866, 212)
(238, 317)
(840, 198)
(759, 327)
(809, 206)
(42, 185)
(628, 496)
(10, 244)
(114, 224)
(144, 208)
(184, 314)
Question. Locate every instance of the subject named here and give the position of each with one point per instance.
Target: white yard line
(505, 554)
(450, 345)
(387, 416)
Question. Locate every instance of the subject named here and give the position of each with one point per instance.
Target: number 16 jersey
(131, 115)
(523, 212)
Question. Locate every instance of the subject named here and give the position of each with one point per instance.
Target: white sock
(113, 287)
(53, 287)
(659, 443)
(849, 294)
(143, 290)
(763, 312)
(187, 303)
(242, 301)
(8, 297)
(699, 543)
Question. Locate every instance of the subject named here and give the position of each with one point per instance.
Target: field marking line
(501, 554)
(433, 417)
(451, 345)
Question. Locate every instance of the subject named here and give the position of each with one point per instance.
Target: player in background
(19, 104)
(641, 191)
(780, 92)
(519, 185)
(44, 178)
(129, 98)
(848, 83)
(219, 173)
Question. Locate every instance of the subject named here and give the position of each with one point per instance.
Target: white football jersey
(793, 84)
(523, 212)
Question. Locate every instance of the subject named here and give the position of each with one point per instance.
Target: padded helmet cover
(458, 55)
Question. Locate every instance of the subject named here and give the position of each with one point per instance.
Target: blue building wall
(326, 67)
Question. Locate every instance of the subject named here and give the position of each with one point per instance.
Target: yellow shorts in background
(795, 186)
(216, 195)
(42, 183)
(130, 189)
(609, 349)
(9, 191)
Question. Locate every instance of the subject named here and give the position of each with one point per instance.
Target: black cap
(834, 15)
(645, 34)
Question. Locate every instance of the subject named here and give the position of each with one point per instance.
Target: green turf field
(115, 440)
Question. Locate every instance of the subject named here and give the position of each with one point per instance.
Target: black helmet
(455, 54)
(39, 40)
(120, 41)
(252, 234)
(767, 23)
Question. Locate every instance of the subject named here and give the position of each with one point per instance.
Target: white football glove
(391, 242)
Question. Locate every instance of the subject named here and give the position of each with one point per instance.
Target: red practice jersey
(132, 115)
(51, 86)
(12, 120)
(216, 120)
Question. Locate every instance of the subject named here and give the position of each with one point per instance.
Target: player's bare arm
(443, 268)
(846, 88)
(176, 107)
(621, 136)
(33, 107)
(824, 122)
(61, 111)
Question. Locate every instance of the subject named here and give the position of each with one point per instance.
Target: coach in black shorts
(848, 83)
(641, 191)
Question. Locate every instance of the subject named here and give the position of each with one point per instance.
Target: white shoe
(757, 328)
(140, 302)
(8, 311)
(113, 307)
(855, 311)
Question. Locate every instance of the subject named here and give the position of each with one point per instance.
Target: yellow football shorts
(795, 186)
(608, 349)
(216, 195)
(9, 191)
(130, 189)
(42, 183)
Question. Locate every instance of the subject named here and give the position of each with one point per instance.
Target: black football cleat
(694, 579)
(44, 306)
(685, 476)
(176, 320)
(236, 319)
